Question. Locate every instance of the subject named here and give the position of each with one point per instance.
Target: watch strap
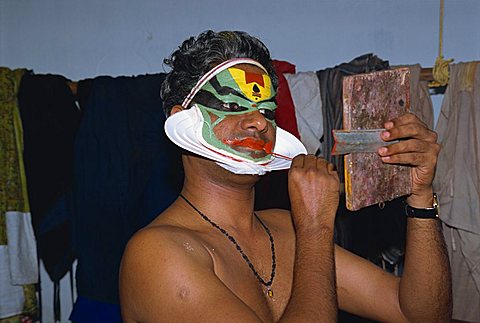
(423, 213)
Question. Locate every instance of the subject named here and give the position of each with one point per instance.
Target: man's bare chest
(248, 272)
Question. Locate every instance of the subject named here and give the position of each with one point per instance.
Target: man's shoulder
(160, 241)
(161, 232)
(160, 262)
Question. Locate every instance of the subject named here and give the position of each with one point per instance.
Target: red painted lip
(252, 143)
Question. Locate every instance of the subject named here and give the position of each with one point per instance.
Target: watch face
(436, 205)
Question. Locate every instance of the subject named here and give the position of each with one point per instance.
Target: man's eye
(269, 114)
(232, 107)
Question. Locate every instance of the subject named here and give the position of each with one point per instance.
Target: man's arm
(314, 196)
(423, 292)
(425, 287)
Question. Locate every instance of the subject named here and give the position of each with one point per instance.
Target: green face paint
(235, 91)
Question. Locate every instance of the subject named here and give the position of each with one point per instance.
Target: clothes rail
(425, 75)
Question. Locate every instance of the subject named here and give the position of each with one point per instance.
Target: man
(211, 257)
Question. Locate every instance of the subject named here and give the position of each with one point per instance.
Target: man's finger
(409, 146)
(413, 159)
(298, 161)
(310, 161)
(404, 119)
(410, 130)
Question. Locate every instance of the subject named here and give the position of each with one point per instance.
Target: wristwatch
(427, 213)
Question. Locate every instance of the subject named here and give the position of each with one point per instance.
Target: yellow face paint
(255, 86)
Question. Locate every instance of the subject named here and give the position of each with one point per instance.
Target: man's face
(238, 107)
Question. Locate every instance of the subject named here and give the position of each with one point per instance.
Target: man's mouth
(251, 143)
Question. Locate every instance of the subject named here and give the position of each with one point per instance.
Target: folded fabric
(11, 296)
(22, 248)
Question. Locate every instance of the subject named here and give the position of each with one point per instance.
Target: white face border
(183, 129)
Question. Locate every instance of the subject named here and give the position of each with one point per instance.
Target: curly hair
(197, 55)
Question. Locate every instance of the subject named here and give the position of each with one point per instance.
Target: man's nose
(254, 120)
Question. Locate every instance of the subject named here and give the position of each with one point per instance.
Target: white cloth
(305, 92)
(11, 296)
(18, 263)
(22, 248)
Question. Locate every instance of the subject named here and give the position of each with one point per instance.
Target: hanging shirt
(126, 172)
(305, 93)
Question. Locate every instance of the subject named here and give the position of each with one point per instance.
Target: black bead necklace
(267, 284)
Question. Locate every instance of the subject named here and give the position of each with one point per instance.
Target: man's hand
(313, 186)
(418, 148)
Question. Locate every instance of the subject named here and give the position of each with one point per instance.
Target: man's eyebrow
(224, 90)
(207, 98)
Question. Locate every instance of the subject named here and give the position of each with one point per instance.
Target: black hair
(197, 55)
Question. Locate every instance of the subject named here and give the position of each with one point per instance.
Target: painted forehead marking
(214, 71)
(254, 86)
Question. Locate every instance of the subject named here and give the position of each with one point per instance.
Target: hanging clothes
(285, 113)
(18, 258)
(126, 172)
(457, 184)
(305, 93)
(420, 99)
(272, 190)
(50, 119)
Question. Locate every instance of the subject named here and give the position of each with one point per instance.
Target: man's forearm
(313, 295)
(313, 187)
(425, 286)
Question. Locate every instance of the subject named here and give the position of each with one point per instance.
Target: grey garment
(457, 181)
(305, 93)
(420, 100)
(457, 184)
(464, 259)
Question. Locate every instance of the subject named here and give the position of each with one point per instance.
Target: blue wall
(81, 39)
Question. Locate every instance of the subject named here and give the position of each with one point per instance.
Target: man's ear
(175, 109)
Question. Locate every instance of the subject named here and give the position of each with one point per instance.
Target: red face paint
(268, 148)
(252, 143)
(254, 77)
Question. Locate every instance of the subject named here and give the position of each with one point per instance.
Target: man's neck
(226, 198)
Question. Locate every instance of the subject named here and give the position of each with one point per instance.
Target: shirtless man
(211, 257)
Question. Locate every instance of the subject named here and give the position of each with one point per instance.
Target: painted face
(231, 97)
